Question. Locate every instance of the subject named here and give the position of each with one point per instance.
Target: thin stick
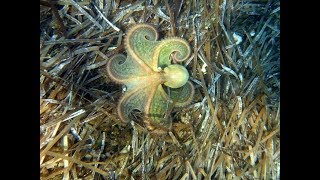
(104, 173)
(86, 14)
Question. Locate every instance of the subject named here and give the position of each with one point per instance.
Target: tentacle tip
(134, 27)
(110, 67)
(177, 53)
(123, 118)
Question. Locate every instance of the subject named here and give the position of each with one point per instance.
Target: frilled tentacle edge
(120, 68)
(175, 46)
(140, 41)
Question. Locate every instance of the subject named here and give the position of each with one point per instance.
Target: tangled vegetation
(229, 130)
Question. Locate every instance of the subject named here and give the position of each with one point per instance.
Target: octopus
(153, 75)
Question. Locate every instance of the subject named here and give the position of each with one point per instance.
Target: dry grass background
(231, 130)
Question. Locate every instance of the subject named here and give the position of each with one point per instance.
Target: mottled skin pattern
(147, 71)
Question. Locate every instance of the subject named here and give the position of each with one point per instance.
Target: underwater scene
(159, 89)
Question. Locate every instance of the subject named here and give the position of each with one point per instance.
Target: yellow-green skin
(146, 70)
(175, 76)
